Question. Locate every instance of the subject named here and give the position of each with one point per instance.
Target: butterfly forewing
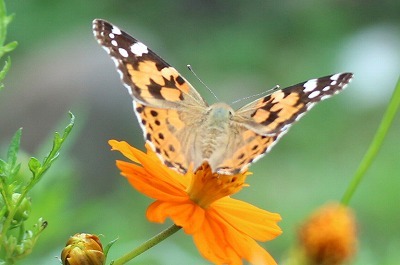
(276, 112)
(183, 130)
(149, 79)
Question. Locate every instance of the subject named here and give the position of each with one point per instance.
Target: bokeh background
(238, 48)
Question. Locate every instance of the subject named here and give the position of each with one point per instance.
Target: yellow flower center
(207, 187)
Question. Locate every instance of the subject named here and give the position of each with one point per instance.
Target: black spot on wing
(180, 80)
(154, 89)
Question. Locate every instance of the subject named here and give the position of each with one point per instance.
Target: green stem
(3, 26)
(147, 245)
(375, 145)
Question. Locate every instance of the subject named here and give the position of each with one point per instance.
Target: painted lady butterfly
(183, 129)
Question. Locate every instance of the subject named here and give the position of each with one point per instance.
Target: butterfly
(183, 129)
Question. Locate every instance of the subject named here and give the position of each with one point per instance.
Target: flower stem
(375, 145)
(147, 245)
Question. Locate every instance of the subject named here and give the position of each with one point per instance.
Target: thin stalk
(147, 245)
(375, 145)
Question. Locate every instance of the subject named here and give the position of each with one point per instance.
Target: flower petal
(151, 163)
(248, 219)
(211, 244)
(127, 150)
(187, 215)
(223, 244)
(153, 187)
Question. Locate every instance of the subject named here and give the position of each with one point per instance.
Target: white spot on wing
(310, 85)
(114, 43)
(335, 77)
(116, 30)
(326, 88)
(139, 48)
(112, 36)
(314, 94)
(123, 52)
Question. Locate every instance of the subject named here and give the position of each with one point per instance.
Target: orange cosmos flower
(224, 230)
(329, 237)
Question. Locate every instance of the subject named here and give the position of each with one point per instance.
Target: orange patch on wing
(174, 115)
(277, 96)
(171, 94)
(150, 69)
(289, 111)
(247, 134)
(169, 72)
(261, 115)
(140, 80)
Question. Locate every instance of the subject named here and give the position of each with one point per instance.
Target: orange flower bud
(328, 237)
(83, 249)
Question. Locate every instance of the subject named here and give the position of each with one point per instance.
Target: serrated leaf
(34, 164)
(14, 148)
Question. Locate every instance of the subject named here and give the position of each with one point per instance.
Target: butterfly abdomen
(216, 129)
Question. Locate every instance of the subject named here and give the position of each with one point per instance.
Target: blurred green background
(238, 48)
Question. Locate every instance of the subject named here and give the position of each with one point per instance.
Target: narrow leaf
(14, 148)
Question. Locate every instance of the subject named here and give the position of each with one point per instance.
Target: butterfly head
(220, 112)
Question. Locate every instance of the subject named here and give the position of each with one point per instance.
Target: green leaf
(14, 148)
(37, 168)
(109, 245)
(3, 167)
(34, 165)
(4, 71)
(69, 127)
(8, 48)
(8, 19)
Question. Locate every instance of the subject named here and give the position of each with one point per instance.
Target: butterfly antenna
(268, 92)
(191, 70)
